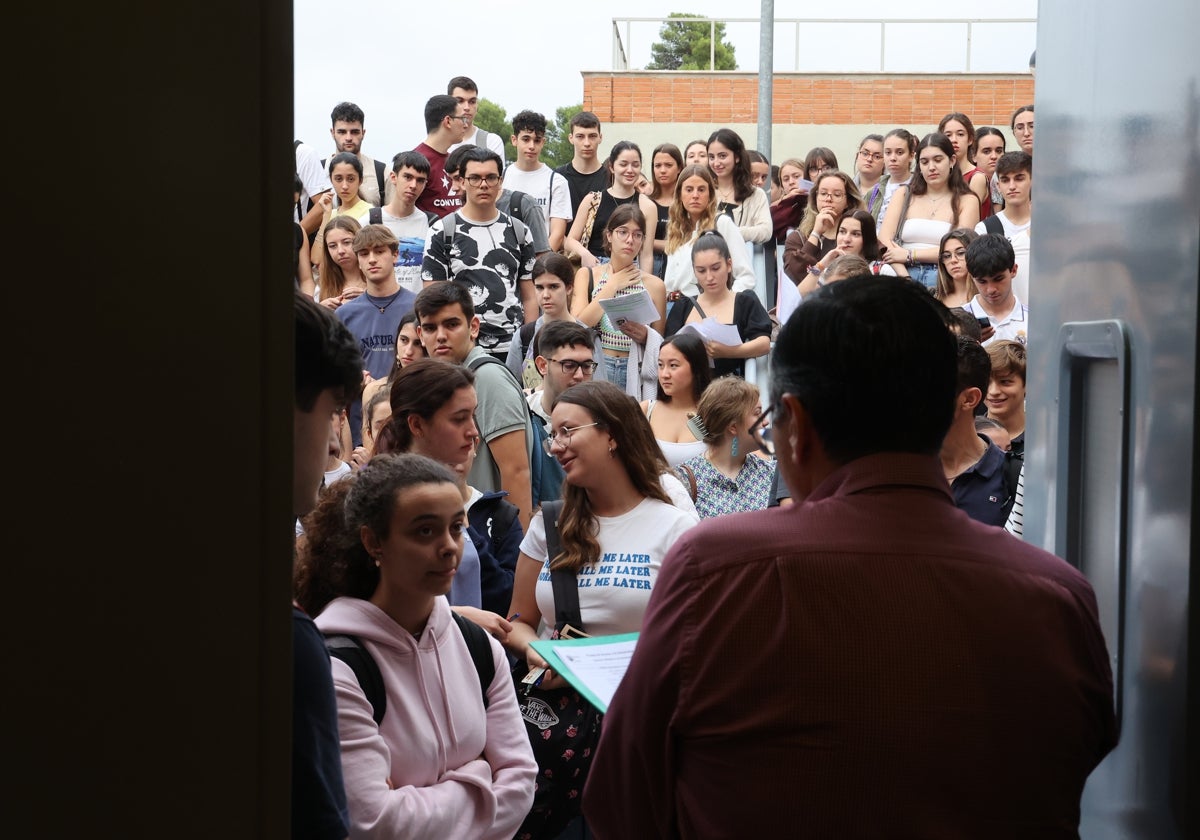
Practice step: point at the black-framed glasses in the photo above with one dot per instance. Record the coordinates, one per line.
(764, 438)
(569, 366)
(563, 436)
(476, 180)
(465, 119)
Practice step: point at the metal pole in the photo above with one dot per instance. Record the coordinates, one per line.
(766, 75)
(712, 45)
(766, 282)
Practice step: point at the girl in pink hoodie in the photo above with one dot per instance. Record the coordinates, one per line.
(382, 549)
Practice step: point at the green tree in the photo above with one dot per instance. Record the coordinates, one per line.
(685, 45)
(558, 149)
(492, 118)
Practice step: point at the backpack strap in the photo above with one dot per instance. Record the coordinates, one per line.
(375, 216)
(566, 588)
(481, 652)
(350, 650)
(449, 228)
(381, 178)
(992, 224)
(431, 216)
(527, 338)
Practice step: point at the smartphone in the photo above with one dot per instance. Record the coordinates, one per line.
(984, 322)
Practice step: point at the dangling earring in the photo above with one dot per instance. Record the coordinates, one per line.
(612, 452)
(377, 563)
(733, 450)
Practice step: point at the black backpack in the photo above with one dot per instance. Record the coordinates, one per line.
(350, 650)
(992, 224)
(1012, 474)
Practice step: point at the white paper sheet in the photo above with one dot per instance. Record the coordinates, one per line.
(636, 307)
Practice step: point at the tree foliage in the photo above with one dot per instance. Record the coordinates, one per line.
(685, 45)
(558, 149)
(492, 118)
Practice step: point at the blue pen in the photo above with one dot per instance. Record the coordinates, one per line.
(514, 616)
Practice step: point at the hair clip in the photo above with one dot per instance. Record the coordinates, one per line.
(696, 427)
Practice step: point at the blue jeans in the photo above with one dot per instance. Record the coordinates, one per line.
(925, 274)
(616, 369)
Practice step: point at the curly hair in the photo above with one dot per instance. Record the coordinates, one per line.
(332, 561)
(620, 415)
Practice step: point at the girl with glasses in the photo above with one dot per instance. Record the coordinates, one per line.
(832, 194)
(443, 756)
(615, 527)
(729, 476)
(855, 237)
(868, 171)
(629, 348)
(954, 286)
(624, 167)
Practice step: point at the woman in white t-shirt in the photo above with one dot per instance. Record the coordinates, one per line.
(616, 525)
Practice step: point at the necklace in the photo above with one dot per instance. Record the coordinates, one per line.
(375, 301)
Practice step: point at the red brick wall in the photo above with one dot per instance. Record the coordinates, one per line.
(861, 99)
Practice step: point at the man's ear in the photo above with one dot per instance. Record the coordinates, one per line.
(542, 364)
(968, 398)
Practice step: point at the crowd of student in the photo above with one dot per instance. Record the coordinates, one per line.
(478, 294)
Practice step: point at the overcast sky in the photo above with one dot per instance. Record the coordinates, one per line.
(386, 57)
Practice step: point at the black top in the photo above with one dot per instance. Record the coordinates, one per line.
(749, 316)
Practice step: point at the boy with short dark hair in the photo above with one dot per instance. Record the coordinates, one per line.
(992, 266)
(585, 173)
(529, 175)
(409, 175)
(466, 92)
(1014, 174)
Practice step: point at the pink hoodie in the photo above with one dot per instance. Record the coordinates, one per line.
(455, 770)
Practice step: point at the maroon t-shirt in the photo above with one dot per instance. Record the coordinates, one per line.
(438, 196)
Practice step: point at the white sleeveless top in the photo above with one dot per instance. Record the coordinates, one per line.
(923, 233)
(676, 453)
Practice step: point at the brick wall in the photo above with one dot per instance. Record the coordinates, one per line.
(852, 99)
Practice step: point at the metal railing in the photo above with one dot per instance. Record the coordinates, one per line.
(623, 44)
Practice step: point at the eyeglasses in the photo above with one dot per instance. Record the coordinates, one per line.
(626, 234)
(831, 195)
(563, 437)
(960, 254)
(569, 366)
(476, 180)
(465, 119)
(863, 153)
(763, 438)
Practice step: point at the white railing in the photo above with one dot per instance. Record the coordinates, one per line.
(956, 43)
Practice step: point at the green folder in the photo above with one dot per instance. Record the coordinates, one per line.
(593, 690)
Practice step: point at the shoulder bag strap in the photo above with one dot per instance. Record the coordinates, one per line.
(481, 652)
(566, 588)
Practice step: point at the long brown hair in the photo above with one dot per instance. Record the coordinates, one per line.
(680, 228)
(672, 151)
(620, 415)
(333, 281)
